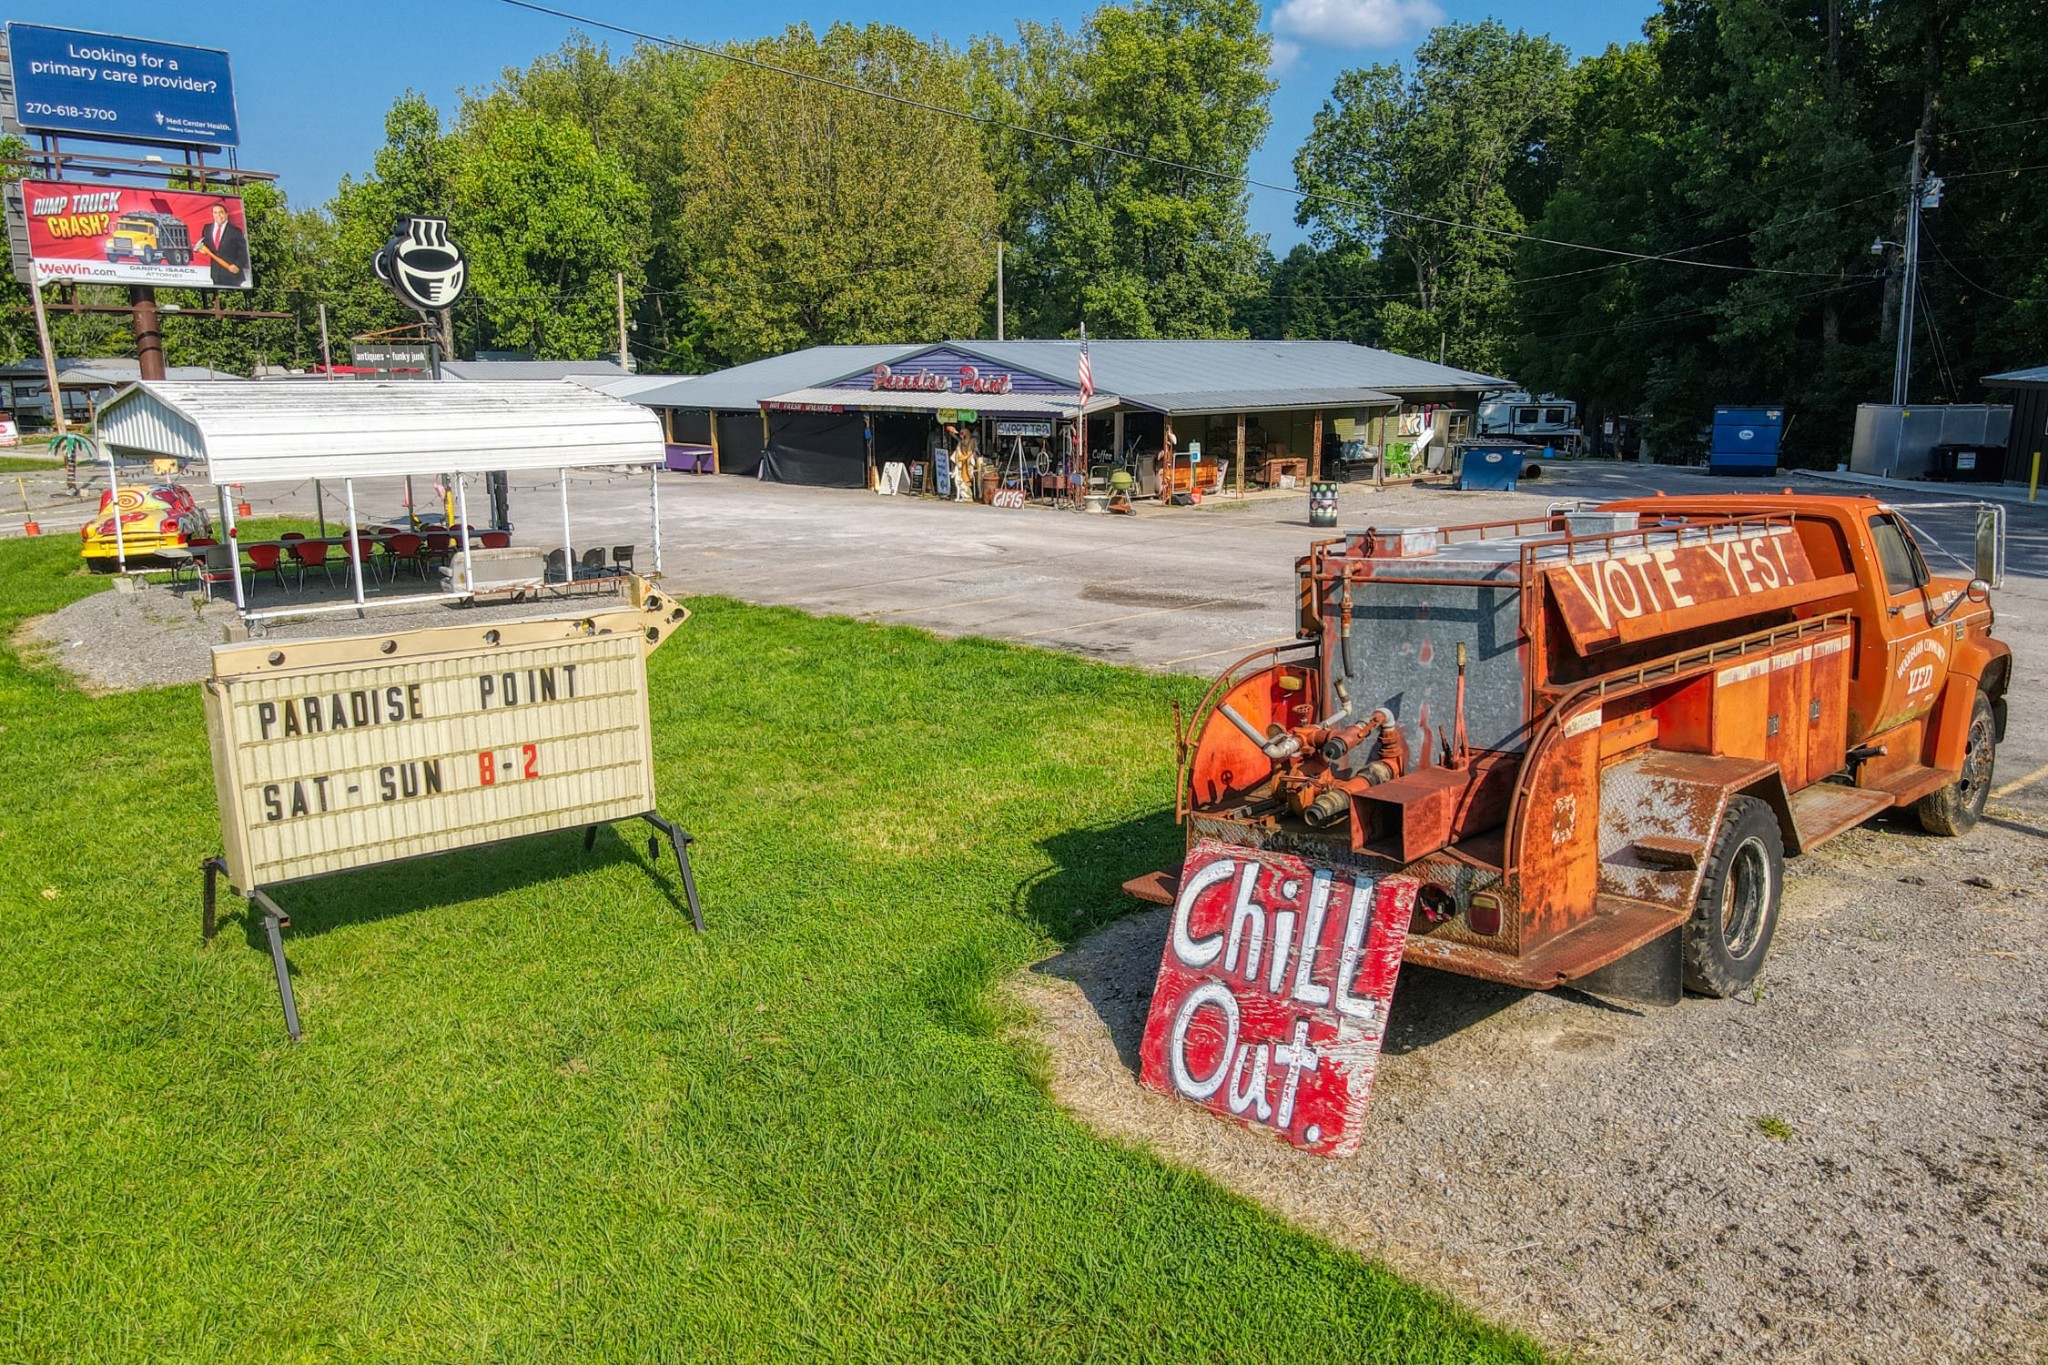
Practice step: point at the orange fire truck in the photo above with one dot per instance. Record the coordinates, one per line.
(1590, 739)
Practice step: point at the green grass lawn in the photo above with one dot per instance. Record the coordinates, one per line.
(536, 1118)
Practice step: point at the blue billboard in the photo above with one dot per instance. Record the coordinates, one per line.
(128, 89)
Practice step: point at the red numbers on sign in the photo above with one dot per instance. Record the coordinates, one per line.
(488, 771)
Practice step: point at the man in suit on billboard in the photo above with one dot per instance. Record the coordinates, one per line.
(227, 250)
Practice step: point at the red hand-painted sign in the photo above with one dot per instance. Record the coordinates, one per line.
(1273, 992)
(1614, 593)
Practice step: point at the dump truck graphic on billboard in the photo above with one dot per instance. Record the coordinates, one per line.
(150, 238)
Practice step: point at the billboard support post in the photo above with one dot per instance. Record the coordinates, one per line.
(35, 292)
(149, 336)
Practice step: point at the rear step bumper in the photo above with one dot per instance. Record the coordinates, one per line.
(1617, 927)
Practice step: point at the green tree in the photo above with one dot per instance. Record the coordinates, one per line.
(1396, 157)
(547, 222)
(1132, 247)
(821, 215)
(1313, 295)
(411, 175)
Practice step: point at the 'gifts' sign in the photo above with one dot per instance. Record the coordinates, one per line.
(1273, 992)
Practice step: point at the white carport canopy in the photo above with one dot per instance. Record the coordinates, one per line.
(261, 431)
(244, 432)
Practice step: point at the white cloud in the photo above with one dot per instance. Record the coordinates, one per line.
(1285, 55)
(1356, 23)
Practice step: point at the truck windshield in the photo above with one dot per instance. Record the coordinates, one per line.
(1904, 570)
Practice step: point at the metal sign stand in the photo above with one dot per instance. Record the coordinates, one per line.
(276, 920)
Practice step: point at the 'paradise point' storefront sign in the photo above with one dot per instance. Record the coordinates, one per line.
(970, 380)
(1273, 992)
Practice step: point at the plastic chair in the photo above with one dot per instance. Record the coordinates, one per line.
(293, 535)
(268, 559)
(557, 569)
(405, 547)
(440, 548)
(497, 540)
(361, 547)
(592, 563)
(309, 554)
(622, 557)
(215, 565)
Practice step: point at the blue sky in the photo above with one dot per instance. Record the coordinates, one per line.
(313, 81)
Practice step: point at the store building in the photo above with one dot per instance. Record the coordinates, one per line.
(1174, 413)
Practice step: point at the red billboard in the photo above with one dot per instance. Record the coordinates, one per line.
(1273, 992)
(118, 234)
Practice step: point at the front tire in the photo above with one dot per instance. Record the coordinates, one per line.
(1956, 808)
(1737, 911)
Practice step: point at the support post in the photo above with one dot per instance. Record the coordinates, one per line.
(233, 534)
(326, 356)
(2034, 479)
(355, 546)
(274, 920)
(680, 843)
(1902, 364)
(114, 504)
(35, 292)
(654, 512)
(1243, 455)
(1315, 449)
(320, 507)
(999, 290)
(149, 337)
(712, 417)
(1116, 435)
(568, 546)
(462, 513)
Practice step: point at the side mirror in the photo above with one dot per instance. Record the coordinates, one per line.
(1979, 590)
(1976, 590)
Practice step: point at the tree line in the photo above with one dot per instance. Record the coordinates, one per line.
(1696, 217)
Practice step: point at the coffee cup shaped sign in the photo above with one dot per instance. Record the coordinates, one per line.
(1273, 992)
(423, 265)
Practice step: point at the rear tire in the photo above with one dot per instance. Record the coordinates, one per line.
(1737, 912)
(1956, 808)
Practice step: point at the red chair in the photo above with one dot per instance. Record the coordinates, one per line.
(293, 535)
(440, 548)
(311, 554)
(268, 559)
(405, 546)
(363, 550)
(497, 540)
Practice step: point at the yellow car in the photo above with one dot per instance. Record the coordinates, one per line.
(152, 520)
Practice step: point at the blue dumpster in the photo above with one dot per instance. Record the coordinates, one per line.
(1490, 464)
(1745, 441)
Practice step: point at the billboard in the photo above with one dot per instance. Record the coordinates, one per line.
(118, 234)
(127, 89)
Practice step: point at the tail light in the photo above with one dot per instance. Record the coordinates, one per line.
(168, 527)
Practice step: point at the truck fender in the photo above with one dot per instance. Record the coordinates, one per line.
(1949, 731)
(1770, 789)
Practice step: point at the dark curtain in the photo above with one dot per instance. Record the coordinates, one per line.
(826, 449)
(739, 443)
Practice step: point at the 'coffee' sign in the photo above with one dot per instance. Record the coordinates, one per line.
(1273, 992)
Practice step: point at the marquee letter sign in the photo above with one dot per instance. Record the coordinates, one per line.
(1273, 992)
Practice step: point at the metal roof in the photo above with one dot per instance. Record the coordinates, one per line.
(626, 386)
(1265, 400)
(107, 371)
(2018, 378)
(1166, 374)
(990, 405)
(502, 371)
(250, 432)
(741, 388)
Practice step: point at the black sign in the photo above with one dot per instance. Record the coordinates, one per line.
(422, 264)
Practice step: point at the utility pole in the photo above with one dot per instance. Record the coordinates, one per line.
(326, 356)
(625, 356)
(999, 290)
(1902, 367)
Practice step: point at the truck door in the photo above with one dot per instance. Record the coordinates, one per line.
(1917, 654)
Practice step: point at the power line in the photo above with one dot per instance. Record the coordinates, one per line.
(1084, 144)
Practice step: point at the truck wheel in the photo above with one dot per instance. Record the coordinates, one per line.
(1956, 808)
(1737, 911)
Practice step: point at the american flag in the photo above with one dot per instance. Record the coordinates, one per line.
(1087, 370)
